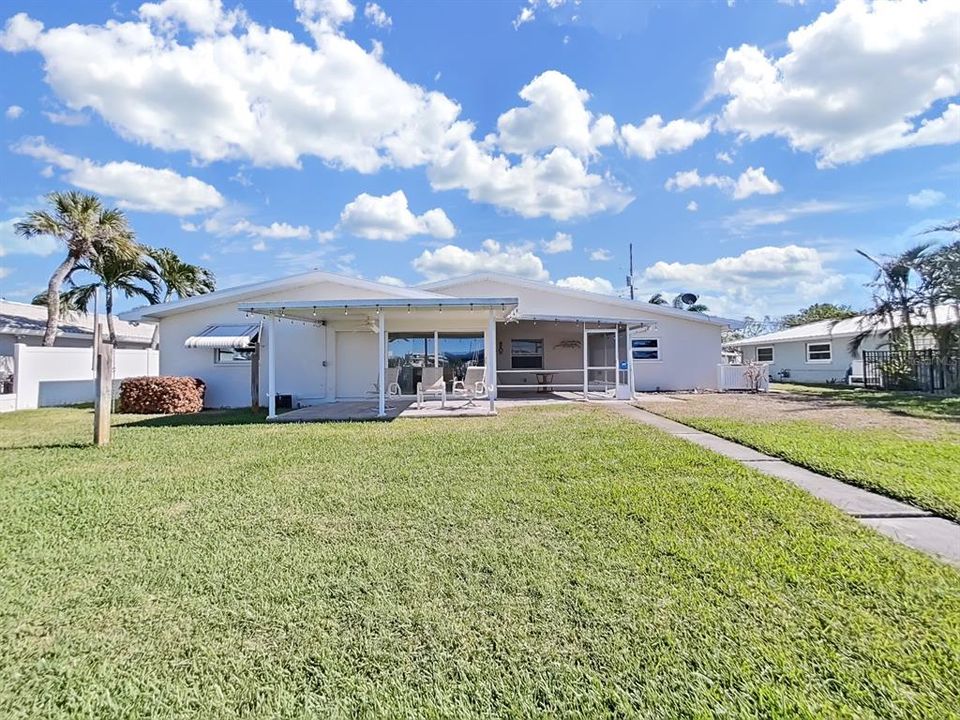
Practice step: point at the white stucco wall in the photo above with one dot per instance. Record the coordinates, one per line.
(792, 357)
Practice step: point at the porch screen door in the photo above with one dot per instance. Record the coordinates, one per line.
(601, 356)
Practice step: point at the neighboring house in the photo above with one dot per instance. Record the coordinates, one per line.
(820, 352)
(318, 336)
(23, 323)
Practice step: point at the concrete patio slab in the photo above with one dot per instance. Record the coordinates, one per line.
(904, 523)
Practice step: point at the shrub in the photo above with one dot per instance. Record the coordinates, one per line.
(161, 395)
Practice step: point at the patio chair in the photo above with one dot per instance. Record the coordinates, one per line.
(472, 387)
(432, 384)
(392, 376)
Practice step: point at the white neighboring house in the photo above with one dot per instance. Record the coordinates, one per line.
(326, 337)
(819, 352)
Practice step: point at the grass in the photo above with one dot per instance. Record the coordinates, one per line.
(551, 561)
(912, 404)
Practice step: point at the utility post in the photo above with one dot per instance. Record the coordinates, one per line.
(104, 392)
(630, 276)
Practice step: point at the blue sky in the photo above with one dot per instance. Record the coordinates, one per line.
(746, 149)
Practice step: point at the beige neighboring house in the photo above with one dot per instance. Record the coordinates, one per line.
(25, 323)
(327, 338)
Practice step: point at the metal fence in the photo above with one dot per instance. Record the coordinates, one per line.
(922, 370)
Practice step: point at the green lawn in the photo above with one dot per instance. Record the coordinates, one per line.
(912, 404)
(555, 561)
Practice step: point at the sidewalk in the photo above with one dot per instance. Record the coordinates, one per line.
(904, 523)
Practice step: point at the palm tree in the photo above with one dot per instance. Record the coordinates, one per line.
(894, 295)
(657, 299)
(114, 273)
(87, 229)
(179, 278)
(681, 302)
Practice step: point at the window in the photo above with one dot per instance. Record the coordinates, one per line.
(819, 352)
(645, 349)
(526, 354)
(232, 357)
(765, 354)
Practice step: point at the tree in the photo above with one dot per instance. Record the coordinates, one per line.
(657, 299)
(87, 229)
(179, 278)
(113, 272)
(818, 311)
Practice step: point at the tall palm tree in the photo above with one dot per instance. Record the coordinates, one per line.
(657, 299)
(894, 294)
(87, 229)
(114, 273)
(179, 279)
(680, 303)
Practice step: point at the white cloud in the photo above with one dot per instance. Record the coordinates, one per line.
(856, 82)
(227, 224)
(388, 217)
(4, 272)
(656, 138)
(13, 244)
(556, 116)
(13, 112)
(20, 33)
(601, 255)
(526, 15)
(926, 198)
(692, 206)
(725, 158)
(594, 285)
(135, 187)
(752, 181)
(452, 260)
(391, 280)
(752, 218)
(764, 280)
(70, 119)
(560, 243)
(376, 15)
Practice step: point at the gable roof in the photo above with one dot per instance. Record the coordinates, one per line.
(25, 319)
(829, 329)
(513, 280)
(242, 292)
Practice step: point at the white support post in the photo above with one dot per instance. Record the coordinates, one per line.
(382, 358)
(616, 362)
(629, 354)
(272, 367)
(436, 348)
(586, 378)
(491, 360)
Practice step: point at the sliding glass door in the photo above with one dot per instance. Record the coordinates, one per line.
(413, 351)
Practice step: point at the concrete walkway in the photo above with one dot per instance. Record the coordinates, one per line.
(904, 523)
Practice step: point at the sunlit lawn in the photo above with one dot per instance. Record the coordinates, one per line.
(554, 561)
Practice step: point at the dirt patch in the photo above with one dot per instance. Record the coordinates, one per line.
(785, 406)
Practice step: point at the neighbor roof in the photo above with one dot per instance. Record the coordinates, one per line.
(442, 285)
(24, 319)
(828, 329)
(252, 290)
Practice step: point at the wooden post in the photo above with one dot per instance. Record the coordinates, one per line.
(104, 391)
(255, 378)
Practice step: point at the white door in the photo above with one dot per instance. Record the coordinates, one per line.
(356, 364)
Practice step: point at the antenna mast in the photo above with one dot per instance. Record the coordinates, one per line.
(630, 276)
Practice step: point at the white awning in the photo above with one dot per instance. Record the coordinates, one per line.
(224, 337)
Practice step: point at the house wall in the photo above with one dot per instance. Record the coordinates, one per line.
(8, 341)
(792, 357)
(689, 349)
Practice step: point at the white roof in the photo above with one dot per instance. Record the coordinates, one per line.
(505, 279)
(829, 329)
(25, 319)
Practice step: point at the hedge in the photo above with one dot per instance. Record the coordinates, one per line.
(161, 395)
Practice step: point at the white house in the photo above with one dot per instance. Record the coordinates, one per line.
(820, 352)
(324, 337)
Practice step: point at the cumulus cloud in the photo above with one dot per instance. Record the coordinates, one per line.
(556, 116)
(376, 15)
(594, 285)
(692, 206)
(134, 186)
(13, 112)
(926, 198)
(388, 217)
(759, 281)
(725, 158)
(559, 243)
(752, 181)
(452, 260)
(860, 80)
(391, 280)
(601, 255)
(228, 224)
(654, 138)
(70, 119)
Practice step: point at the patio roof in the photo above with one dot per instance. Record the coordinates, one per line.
(321, 309)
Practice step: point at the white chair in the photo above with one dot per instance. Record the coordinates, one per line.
(472, 387)
(392, 375)
(432, 384)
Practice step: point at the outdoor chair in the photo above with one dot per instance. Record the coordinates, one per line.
(472, 387)
(432, 384)
(392, 376)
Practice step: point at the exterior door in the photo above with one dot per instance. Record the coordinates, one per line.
(602, 362)
(356, 365)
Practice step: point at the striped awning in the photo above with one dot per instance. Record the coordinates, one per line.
(224, 337)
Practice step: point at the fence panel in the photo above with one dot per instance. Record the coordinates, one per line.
(734, 377)
(924, 370)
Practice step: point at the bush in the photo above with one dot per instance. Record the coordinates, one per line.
(161, 395)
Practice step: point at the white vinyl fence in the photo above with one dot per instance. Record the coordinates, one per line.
(735, 377)
(50, 376)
